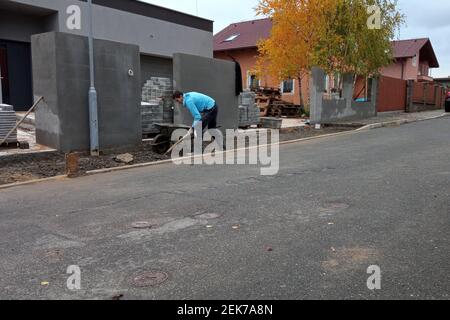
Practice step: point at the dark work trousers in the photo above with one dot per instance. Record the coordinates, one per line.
(209, 118)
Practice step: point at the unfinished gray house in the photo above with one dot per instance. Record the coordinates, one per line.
(43, 51)
(159, 33)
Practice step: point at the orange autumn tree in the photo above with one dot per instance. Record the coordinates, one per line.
(335, 35)
(297, 29)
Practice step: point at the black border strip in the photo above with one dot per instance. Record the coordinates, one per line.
(157, 12)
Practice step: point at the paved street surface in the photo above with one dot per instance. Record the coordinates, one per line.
(337, 206)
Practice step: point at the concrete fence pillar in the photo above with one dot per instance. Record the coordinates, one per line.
(409, 95)
(316, 88)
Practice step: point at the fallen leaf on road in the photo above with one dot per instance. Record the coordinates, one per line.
(236, 227)
(45, 283)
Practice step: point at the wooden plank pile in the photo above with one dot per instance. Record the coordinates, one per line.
(271, 104)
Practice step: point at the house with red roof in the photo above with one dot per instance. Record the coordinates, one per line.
(239, 42)
(413, 59)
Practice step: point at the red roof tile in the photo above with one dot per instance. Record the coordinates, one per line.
(250, 32)
(407, 48)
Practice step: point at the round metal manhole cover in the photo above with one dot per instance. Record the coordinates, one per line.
(142, 225)
(150, 278)
(208, 216)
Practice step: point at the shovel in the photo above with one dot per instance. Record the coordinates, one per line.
(178, 142)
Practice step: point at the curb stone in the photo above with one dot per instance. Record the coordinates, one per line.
(398, 122)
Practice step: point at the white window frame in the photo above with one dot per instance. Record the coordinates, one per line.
(293, 87)
(249, 79)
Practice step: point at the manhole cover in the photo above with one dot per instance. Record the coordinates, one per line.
(208, 216)
(142, 225)
(150, 278)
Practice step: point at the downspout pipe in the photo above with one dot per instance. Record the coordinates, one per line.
(93, 107)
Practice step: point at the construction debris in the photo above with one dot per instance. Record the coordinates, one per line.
(124, 158)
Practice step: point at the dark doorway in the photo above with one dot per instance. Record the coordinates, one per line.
(18, 90)
(4, 75)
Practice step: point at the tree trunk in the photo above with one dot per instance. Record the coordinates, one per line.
(300, 91)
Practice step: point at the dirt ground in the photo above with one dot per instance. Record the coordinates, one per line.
(25, 167)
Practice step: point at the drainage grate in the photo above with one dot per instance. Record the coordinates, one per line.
(149, 279)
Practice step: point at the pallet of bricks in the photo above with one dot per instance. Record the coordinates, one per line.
(157, 104)
(248, 110)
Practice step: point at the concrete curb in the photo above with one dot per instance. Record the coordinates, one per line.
(20, 184)
(399, 122)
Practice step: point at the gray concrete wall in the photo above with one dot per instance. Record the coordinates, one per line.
(153, 36)
(213, 77)
(61, 75)
(155, 67)
(332, 110)
(24, 25)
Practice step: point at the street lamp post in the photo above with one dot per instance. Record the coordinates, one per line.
(93, 113)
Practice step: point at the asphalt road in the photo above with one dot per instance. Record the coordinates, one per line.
(337, 206)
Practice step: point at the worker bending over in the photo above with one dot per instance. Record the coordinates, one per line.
(204, 109)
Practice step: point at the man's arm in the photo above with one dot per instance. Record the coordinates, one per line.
(194, 111)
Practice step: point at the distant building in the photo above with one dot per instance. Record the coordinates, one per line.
(444, 81)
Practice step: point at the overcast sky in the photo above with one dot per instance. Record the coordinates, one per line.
(425, 19)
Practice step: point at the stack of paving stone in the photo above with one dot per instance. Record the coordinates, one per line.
(157, 104)
(7, 123)
(248, 110)
(152, 112)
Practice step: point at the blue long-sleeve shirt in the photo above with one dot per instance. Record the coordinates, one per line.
(197, 103)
